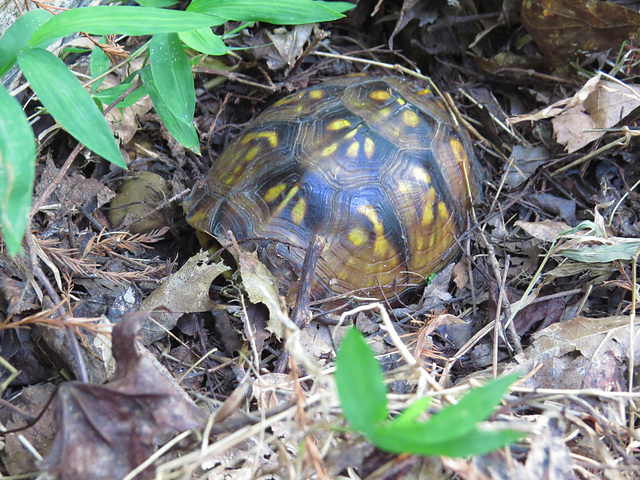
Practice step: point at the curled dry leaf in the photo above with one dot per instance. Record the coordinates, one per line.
(186, 291)
(577, 121)
(105, 431)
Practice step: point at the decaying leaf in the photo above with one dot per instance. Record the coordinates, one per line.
(185, 291)
(568, 30)
(105, 431)
(546, 230)
(262, 288)
(577, 121)
(574, 353)
(523, 162)
(282, 47)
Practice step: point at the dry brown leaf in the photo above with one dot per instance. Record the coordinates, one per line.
(572, 354)
(546, 230)
(105, 431)
(568, 30)
(600, 104)
(185, 291)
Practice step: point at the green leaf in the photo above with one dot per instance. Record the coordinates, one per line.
(360, 383)
(476, 406)
(17, 36)
(279, 12)
(184, 133)
(451, 432)
(110, 95)
(123, 20)
(204, 40)
(98, 64)
(172, 75)
(64, 97)
(157, 3)
(17, 170)
(415, 439)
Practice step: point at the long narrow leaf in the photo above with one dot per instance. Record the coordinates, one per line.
(64, 97)
(124, 20)
(172, 75)
(414, 439)
(17, 170)
(360, 383)
(17, 36)
(184, 133)
(204, 40)
(99, 63)
(279, 12)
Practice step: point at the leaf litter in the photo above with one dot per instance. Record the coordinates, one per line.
(526, 294)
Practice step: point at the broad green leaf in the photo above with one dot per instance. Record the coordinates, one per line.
(184, 133)
(476, 406)
(172, 75)
(17, 170)
(415, 439)
(204, 40)
(360, 383)
(110, 95)
(603, 253)
(98, 64)
(123, 20)
(16, 37)
(279, 12)
(411, 413)
(64, 97)
(157, 3)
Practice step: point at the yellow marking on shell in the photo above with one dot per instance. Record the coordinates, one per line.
(274, 192)
(329, 150)
(316, 94)
(401, 101)
(338, 124)
(251, 154)
(285, 201)
(404, 187)
(427, 212)
(421, 175)
(247, 138)
(427, 215)
(385, 112)
(380, 95)
(358, 236)
(271, 136)
(424, 91)
(410, 119)
(369, 147)
(351, 134)
(380, 245)
(353, 149)
(299, 210)
(443, 212)
(286, 100)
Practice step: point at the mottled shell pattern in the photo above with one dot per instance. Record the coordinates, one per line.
(374, 164)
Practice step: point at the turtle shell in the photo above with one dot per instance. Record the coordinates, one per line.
(376, 165)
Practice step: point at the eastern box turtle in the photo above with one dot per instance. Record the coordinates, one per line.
(374, 164)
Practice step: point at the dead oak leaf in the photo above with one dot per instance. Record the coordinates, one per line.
(105, 431)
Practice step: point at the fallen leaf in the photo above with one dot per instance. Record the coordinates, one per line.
(105, 431)
(574, 352)
(568, 30)
(185, 291)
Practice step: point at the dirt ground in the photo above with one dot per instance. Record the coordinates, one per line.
(544, 285)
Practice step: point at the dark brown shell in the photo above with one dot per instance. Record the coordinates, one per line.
(375, 164)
